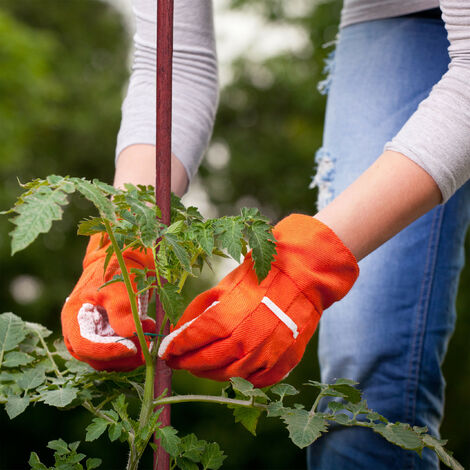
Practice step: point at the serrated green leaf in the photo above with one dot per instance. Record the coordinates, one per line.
(16, 405)
(111, 414)
(283, 389)
(304, 428)
(230, 230)
(445, 456)
(35, 216)
(248, 417)
(169, 440)
(335, 405)
(146, 432)
(345, 382)
(186, 464)
(331, 392)
(9, 376)
(93, 463)
(120, 405)
(246, 388)
(62, 350)
(54, 180)
(400, 434)
(77, 367)
(91, 226)
(176, 227)
(95, 195)
(32, 378)
(263, 247)
(74, 445)
(349, 392)
(357, 408)
(95, 429)
(341, 418)
(35, 463)
(12, 332)
(37, 329)
(109, 254)
(105, 187)
(213, 457)
(316, 384)
(182, 255)
(15, 359)
(66, 462)
(59, 445)
(172, 301)
(141, 278)
(116, 278)
(374, 416)
(205, 237)
(115, 431)
(60, 397)
(193, 213)
(191, 448)
(276, 409)
(250, 213)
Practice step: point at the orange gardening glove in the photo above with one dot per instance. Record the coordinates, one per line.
(260, 331)
(97, 325)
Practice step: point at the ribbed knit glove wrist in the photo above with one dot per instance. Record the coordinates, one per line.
(97, 325)
(260, 331)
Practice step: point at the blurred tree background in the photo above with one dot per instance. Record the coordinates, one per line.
(64, 67)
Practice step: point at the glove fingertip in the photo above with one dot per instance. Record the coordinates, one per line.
(169, 341)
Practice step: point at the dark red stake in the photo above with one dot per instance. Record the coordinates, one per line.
(163, 182)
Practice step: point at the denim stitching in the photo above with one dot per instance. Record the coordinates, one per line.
(422, 313)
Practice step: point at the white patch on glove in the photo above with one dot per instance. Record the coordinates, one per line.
(282, 316)
(94, 326)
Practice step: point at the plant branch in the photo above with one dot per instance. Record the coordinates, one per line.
(49, 355)
(209, 399)
(130, 293)
(315, 403)
(88, 406)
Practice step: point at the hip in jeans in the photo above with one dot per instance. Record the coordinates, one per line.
(390, 333)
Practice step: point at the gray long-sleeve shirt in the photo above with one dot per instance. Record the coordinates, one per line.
(436, 137)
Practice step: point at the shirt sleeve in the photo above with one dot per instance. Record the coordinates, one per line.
(195, 81)
(437, 136)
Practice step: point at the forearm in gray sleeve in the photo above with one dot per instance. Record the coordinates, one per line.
(195, 83)
(437, 136)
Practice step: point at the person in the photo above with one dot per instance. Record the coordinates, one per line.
(393, 197)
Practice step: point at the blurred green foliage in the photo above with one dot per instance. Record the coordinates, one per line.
(64, 65)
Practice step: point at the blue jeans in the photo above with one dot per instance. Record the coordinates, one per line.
(390, 333)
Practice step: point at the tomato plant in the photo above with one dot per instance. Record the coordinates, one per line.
(33, 370)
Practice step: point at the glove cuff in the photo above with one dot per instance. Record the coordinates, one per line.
(314, 257)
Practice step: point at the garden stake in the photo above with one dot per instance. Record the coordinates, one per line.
(163, 185)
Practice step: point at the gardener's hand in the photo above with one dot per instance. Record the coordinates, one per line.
(260, 331)
(97, 324)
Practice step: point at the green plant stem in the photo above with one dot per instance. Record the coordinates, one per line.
(209, 399)
(88, 406)
(157, 274)
(315, 403)
(130, 293)
(49, 355)
(147, 402)
(145, 289)
(160, 337)
(185, 274)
